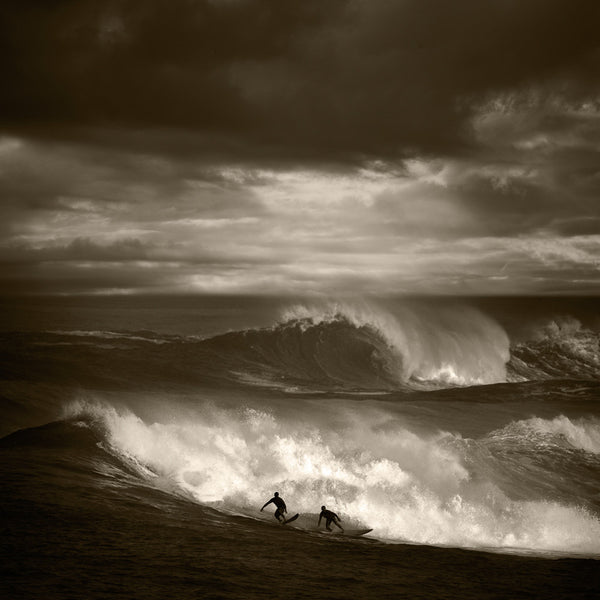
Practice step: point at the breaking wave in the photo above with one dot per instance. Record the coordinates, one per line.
(357, 347)
(558, 348)
(365, 346)
(529, 486)
(417, 346)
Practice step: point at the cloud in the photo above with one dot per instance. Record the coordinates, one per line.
(133, 222)
(308, 80)
(246, 145)
(52, 190)
(79, 250)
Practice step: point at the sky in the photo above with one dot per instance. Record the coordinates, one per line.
(319, 147)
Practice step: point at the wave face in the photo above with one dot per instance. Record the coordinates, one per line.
(530, 485)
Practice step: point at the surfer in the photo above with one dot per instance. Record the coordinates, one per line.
(281, 507)
(330, 517)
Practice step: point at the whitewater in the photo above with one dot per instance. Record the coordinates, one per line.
(444, 425)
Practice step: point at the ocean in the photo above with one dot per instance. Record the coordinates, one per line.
(140, 437)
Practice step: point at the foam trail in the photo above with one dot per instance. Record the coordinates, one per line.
(366, 463)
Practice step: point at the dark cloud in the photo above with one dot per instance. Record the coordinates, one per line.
(159, 64)
(576, 225)
(66, 278)
(551, 194)
(86, 266)
(79, 181)
(202, 145)
(79, 249)
(285, 78)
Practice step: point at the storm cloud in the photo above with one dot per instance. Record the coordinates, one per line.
(349, 145)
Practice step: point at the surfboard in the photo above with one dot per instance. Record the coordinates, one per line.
(352, 532)
(290, 519)
(356, 531)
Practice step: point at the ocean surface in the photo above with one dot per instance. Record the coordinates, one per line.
(141, 435)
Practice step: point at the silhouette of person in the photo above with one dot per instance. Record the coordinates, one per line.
(280, 504)
(330, 517)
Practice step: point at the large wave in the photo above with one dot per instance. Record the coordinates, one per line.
(415, 345)
(528, 486)
(363, 345)
(320, 347)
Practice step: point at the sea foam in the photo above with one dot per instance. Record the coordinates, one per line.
(365, 462)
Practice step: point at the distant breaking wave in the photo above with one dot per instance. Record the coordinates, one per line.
(418, 346)
(344, 346)
(364, 346)
(559, 348)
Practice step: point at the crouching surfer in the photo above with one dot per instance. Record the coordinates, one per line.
(330, 517)
(281, 507)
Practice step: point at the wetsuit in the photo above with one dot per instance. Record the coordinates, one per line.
(330, 517)
(281, 507)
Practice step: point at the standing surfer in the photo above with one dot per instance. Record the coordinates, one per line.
(281, 507)
(330, 517)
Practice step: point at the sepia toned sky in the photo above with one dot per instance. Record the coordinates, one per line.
(314, 146)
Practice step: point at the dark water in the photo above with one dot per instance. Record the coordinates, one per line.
(141, 436)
